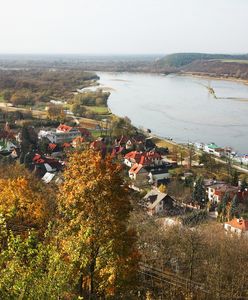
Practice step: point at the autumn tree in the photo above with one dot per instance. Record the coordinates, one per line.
(56, 112)
(25, 202)
(94, 205)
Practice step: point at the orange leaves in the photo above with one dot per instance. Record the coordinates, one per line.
(94, 204)
(25, 203)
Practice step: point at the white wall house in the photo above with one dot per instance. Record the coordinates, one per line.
(214, 149)
(237, 226)
(59, 137)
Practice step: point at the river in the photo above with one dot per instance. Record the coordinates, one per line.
(181, 107)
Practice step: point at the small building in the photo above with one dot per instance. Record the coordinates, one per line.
(62, 134)
(237, 226)
(138, 173)
(157, 203)
(216, 192)
(214, 149)
(158, 174)
(143, 158)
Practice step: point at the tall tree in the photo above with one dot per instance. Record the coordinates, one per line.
(233, 207)
(199, 193)
(94, 205)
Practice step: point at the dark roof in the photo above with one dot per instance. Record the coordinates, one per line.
(157, 169)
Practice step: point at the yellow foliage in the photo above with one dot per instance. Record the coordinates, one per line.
(95, 206)
(25, 202)
(162, 188)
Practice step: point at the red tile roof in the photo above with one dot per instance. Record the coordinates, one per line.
(66, 145)
(133, 155)
(135, 168)
(239, 224)
(64, 128)
(144, 158)
(52, 146)
(36, 157)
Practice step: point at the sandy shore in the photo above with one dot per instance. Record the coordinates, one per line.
(201, 76)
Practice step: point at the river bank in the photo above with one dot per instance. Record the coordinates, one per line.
(209, 77)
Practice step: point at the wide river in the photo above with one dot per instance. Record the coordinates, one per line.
(181, 107)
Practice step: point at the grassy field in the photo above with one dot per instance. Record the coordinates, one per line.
(102, 110)
(239, 61)
(1, 98)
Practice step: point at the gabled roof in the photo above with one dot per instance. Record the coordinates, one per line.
(143, 158)
(157, 171)
(52, 146)
(64, 128)
(133, 155)
(36, 157)
(213, 146)
(48, 177)
(136, 168)
(78, 140)
(154, 197)
(66, 145)
(239, 224)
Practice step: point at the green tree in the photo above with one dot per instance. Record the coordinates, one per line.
(234, 177)
(30, 269)
(244, 184)
(223, 208)
(199, 193)
(78, 110)
(234, 207)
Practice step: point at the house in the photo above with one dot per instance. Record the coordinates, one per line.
(139, 174)
(132, 158)
(63, 134)
(78, 142)
(199, 146)
(214, 149)
(43, 165)
(48, 177)
(243, 159)
(158, 174)
(64, 128)
(157, 203)
(216, 191)
(237, 226)
(143, 158)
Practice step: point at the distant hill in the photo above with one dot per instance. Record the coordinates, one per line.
(178, 60)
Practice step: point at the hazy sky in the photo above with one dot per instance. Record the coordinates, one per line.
(123, 26)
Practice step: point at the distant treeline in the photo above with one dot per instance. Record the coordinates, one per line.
(216, 65)
(182, 59)
(29, 86)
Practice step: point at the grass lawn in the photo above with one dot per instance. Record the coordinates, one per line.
(1, 98)
(102, 110)
(95, 133)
